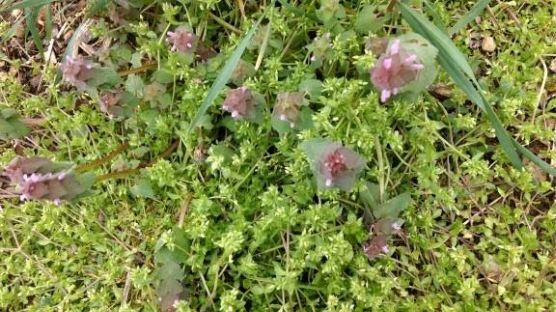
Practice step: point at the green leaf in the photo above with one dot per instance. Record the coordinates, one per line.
(370, 196)
(27, 4)
(392, 208)
(455, 64)
(86, 180)
(10, 125)
(135, 85)
(225, 74)
(104, 76)
(142, 189)
(469, 17)
(97, 6)
(536, 160)
(30, 20)
(313, 148)
(435, 16)
(367, 20)
(312, 87)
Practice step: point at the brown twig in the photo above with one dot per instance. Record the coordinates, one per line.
(184, 210)
(127, 172)
(138, 69)
(33, 122)
(391, 5)
(103, 160)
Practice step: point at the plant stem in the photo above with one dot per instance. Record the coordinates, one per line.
(103, 160)
(224, 23)
(138, 69)
(124, 173)
(33, 122)
(380, 169)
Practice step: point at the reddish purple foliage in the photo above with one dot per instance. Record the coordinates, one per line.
(338, 166)
(76, 71)
(288, 107)
(182, 40)
(36, 179)
(394, 69)
(110, 104)
(240, 103)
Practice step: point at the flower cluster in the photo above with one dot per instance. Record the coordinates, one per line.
(110, 104)
(288, 107)
(182, 40)
(240, 103)
(38, 178)
(334, 164)
(320, 47)
(394, 69)
(339, 166)
(76, 71)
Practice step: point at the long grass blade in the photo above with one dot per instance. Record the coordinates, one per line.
(536, 160)
(27, 4)
(31, 19)
(469, 17)
(224, 75)
(435, 16)
(456, 65)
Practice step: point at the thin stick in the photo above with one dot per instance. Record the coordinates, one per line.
(224, 23)
(138, 69)
(184, 210)
(127, 172)
(541, 91)
(103, 160)
(127, 288)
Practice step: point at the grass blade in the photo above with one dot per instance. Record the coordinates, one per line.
(31, 19)
(27, 4)
(435, 16)
(469, 17)
(455, 64)
(534, 159)
(224, 75)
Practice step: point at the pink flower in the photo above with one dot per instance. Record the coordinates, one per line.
(288, 107)
(339, 166)
(394, 69)
(76, 71)
(38, 178)
(240, 103)
(110, 104)
(182, 40)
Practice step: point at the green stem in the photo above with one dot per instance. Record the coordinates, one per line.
(380, 169)
(224, 23)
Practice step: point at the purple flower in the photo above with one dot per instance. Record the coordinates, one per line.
(320, 47)
(288, 107)
(394, 69)
(376, 246)
(110, 104)
(240, 103)
(20, 167)
(40, 179)
(339, 166)
(182, 40)
(76, 71)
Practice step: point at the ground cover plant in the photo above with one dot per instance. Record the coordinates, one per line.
(281, 155)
